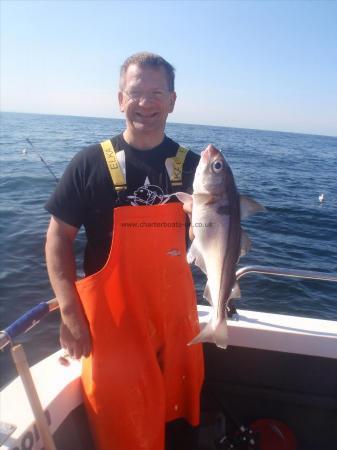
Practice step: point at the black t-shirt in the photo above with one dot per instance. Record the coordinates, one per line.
(86, 196)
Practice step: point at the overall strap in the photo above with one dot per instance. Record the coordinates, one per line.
(114, 167)
(177, 163)
(173, 165)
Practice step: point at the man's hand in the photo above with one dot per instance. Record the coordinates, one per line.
(74, 333)
(187, 201)
(187, 207)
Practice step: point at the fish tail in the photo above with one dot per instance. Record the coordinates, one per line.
(217, 335)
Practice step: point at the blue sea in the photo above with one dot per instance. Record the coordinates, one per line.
(286, 172)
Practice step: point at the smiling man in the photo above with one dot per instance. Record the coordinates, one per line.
(134, 313)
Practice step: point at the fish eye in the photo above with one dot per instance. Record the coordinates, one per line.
(217, 166)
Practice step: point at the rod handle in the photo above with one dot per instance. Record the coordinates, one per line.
(22, 367)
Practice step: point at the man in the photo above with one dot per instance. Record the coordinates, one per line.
(134, 313)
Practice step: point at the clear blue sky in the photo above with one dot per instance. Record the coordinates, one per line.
(253, 64)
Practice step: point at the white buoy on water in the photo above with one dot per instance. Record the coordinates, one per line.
(24, 151)
(321, 198)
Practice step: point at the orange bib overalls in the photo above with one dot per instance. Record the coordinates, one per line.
(141, 309)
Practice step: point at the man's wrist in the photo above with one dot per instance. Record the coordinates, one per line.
(69, 305)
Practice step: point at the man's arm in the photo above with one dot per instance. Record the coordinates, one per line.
(74, 331)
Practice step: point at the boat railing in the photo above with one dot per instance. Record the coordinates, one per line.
(282, 272)
(34, 315)
(279, 272)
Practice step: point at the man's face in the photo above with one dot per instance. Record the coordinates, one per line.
(145, 99)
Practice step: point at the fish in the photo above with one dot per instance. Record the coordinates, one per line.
(219, 240)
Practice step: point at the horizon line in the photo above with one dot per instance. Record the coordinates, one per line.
(173, 123)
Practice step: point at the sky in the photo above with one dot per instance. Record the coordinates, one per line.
(268, 65)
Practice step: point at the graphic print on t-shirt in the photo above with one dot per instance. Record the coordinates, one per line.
(148, 194)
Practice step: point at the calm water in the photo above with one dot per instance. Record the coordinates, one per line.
(286, 172)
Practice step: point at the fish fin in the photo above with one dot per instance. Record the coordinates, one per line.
(249, 206)
(235, 292)
(194, 256)
(246, 243)
(199, 262)
(207, 294)
(191, 254)
(217, 335)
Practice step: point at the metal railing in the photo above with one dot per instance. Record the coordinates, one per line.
(281, 272)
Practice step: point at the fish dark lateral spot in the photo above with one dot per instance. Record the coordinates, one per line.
(223, 210)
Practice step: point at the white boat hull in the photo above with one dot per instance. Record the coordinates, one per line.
(59, 386)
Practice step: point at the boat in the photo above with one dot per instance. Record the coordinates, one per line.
(274, 387)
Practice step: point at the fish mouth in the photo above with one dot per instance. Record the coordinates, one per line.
(209, 153)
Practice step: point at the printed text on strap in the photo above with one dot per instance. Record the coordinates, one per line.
(113, 165)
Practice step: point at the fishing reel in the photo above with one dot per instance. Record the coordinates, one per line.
(262, 434)
(243, 439)
(221, 431)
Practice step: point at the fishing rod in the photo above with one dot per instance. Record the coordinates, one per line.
(27, 321)
(42, 160)
(21, 325)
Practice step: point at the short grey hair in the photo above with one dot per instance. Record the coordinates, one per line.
(146, 59)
